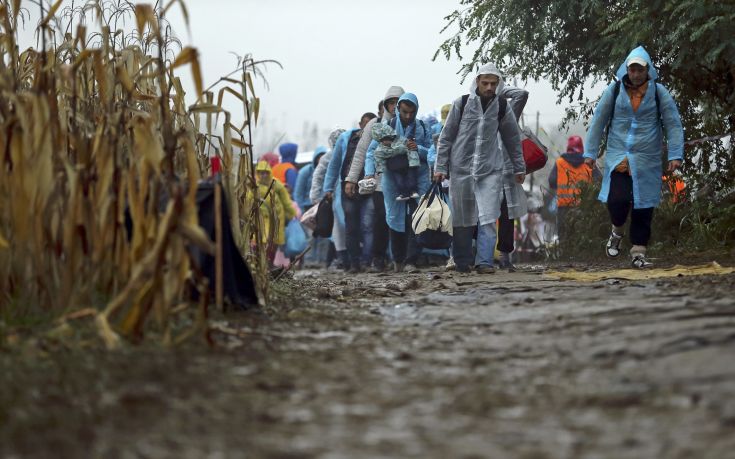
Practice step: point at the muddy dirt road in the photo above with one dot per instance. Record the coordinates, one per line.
(421, 365)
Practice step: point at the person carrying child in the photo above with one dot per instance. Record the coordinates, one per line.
(392, 153)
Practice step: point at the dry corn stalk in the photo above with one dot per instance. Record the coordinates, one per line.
(100, 158)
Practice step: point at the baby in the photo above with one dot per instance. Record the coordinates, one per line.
(392, 154)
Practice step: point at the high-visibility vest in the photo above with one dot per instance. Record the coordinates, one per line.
(279, 171)
(676, 187)
(568, 179)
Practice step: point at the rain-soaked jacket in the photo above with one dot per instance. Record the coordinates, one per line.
(277, 204)
(469, 152)
(286, 171)
(515, 195)
(397, 148)
(636, 136)
(395, 211)
(303, 182)
(358, 162)
(332, 181)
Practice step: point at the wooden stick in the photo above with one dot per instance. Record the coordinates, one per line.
(218, 278)
(295, 262)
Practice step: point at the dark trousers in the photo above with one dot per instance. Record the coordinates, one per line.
(462, 246)
(619, 204)
(381, 232)
(407, 181)
(354, 231)
(403, 245)
(505, 229)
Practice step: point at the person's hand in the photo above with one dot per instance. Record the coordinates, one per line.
(438, 177)
(673, 165)
(350, 189)
(328, 196)
(589, 162)
(520, 178)
(411, 144)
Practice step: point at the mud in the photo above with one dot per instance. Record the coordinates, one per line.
(411, 365)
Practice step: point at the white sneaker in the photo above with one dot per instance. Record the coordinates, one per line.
(415, 195)
(612, 248)
(451, 266)
(639, 261)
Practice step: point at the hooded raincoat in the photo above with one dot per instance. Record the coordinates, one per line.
(303, 182)
(358, 162)
(469, 151)
(395, 211)
(515, 195)
(332, 181)
(636, 136)
(286, 170)
(276, 204)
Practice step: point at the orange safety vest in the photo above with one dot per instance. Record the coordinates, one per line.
(279, 171)
(568, 179)
(676, 187)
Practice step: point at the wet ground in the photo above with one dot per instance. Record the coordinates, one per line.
(421, 365)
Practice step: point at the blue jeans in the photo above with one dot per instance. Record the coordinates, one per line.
(487, 236)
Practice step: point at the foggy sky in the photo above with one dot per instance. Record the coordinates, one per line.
(338, 58)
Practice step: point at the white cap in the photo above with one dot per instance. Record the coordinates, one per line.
(636, 60)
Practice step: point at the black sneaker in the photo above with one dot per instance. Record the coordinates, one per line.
(639, 261)
(612, 248)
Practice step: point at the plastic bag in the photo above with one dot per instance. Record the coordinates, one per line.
(432, 220)
(309, 217)
(296, 241)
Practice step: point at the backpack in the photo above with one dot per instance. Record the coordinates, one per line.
(501, 109)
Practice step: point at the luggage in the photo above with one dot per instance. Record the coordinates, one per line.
(324, 219)
(432, 220)
(535, 154)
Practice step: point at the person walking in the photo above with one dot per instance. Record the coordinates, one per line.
(356, 210)
(567, 176)
(381, 232)
(469, 153)
(514, 204)
(417, 138)
(334, 247)
(286, 171)
(636, 111)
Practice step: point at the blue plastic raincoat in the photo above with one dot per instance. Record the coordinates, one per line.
(332, 181)
(303, 182)
(637, 136)
(395, 211)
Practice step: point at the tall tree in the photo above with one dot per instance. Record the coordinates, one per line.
(574, 43)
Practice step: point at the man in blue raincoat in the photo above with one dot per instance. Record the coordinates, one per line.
(404, 250)
(636, 111)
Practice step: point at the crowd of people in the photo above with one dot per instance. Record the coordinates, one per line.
(374, 174)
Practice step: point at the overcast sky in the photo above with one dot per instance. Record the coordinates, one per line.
(338, 58)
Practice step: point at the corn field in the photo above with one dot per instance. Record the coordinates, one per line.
(96, 130)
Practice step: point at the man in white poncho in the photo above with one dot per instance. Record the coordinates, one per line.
(470, 154)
